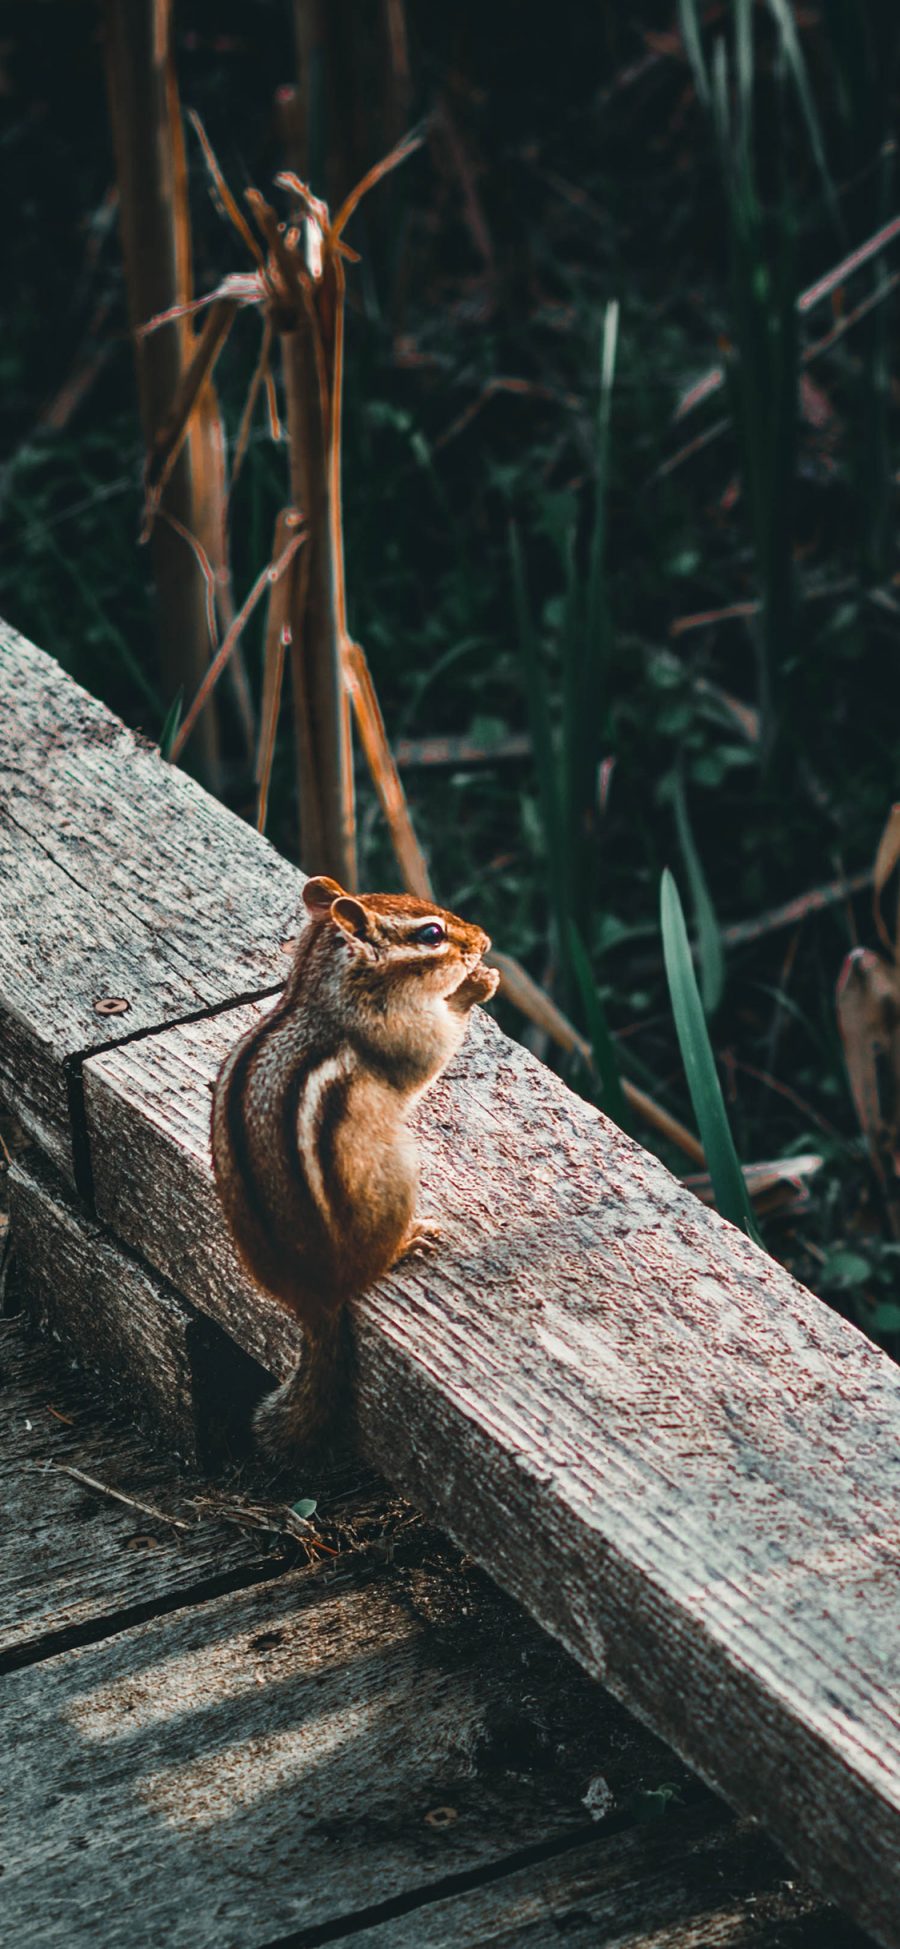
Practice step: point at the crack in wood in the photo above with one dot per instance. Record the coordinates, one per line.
(419, 1900)
(73, 1070)
(110, 1624)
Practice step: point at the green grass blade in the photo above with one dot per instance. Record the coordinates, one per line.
(599, 629)
(598, 1030)
(608, 347)
(783, 16)
(720, 107)
(578, 732)
(700, 1069)
(743, 67)
(689, 23)
(542, 739)
(709, 940)
(170, 728)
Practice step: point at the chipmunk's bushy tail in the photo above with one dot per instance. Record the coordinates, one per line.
(297, 1416)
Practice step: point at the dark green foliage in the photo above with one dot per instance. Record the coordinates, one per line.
(600, 187)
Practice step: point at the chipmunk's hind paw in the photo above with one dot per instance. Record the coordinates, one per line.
(424, 1237)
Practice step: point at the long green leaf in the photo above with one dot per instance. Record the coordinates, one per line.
(689, 22)
(170, 728)
(542, 739)
(709, 940)
(598, 631)
(700, 1069)
(793, 54)
(577, 743)
(598, 1030)
(743, 67)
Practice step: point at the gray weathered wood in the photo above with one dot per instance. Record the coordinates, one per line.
(157, 1089)
(158, 1355)
(70, 1557)
(119, 879)
(269, 1761)
(682, 1463)
(686, 1882)
(692, 1879)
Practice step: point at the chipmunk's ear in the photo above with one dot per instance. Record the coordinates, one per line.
(319, 893)
(352, 916)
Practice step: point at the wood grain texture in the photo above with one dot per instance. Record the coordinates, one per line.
(525, 1766)
(688, 1881)
(157, 1355)
(71, 1558)
(684, 1465)
(276, 1760)
(119, 878)
(147, 1107)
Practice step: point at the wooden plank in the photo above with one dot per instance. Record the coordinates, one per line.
(282, 1759)
(71, 1558)
(689, 1881)
(86, 1562)
(120, 879)
(168, 1363)
(684, 1465)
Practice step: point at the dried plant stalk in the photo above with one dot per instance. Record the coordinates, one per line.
(278, 636)
(179, 422)
(298, 284)
(303, 301)
(385, 776)
(321, 705)
(156, 248)
(269, 575)
(868, 1011)
(886, 860)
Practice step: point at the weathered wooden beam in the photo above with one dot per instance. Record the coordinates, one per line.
(684, 1465)
(167, 1364)
(121, 882)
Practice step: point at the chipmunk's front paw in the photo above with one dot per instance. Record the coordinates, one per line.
(478, 986)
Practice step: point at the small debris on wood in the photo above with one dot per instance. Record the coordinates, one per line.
(114, 1495)
(275, 1519)
(598, 1797)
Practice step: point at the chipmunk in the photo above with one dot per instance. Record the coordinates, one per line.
(316, 1167)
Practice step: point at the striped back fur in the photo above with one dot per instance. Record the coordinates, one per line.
(316, 1168)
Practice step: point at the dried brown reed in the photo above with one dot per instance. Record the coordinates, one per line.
(298, 284)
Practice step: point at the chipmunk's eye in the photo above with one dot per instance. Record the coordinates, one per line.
(431, 935)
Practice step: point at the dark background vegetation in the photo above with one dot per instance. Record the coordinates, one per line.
(574, 157)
